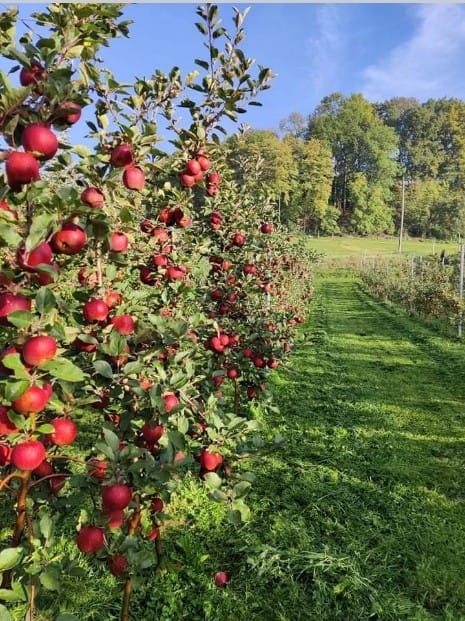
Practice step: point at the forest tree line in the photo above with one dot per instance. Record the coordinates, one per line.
(344, 168)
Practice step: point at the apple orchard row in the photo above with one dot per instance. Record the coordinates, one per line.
(157, 330)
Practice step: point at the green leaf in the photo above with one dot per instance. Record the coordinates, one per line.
(111, 439)
(16, 594)
(21, 319)
(4, 614)
(235, 517)
(40, 227)
(45, 300)
(202, 63)
(46, 526)
(132, 367)
(46, 428)
(63, 369)
(212, 480)
(244, 510)
(201, 28)
(219, 496)
(13, 390)
(240, 489)
(50, 579)
(9, 234)
(103, 368)
(13, 362)
(67, 617)
(10, 557)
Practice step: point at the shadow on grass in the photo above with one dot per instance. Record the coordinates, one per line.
(360, 516)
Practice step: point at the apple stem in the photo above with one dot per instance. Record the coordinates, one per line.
(20, 519)
(126, 598)
(134, 524)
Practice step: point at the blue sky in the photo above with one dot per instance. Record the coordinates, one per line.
(379, 50)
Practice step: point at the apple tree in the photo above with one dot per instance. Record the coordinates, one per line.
(135, 281)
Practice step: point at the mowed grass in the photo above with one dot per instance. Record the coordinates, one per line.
(359, 516)
(356, 248)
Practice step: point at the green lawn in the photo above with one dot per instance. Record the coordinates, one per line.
(354, 248)
(360, 516)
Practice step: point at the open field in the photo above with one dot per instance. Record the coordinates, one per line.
(359, 515)
(340, 249)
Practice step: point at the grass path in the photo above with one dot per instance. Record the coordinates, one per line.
(360, 516)
(372, 482)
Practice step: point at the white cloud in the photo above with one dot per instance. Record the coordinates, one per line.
(428, 65)
(325, 50)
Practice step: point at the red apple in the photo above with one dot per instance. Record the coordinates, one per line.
(175, 273)
(160, 260)
(152, 434)
(238, 239)
(5, 454)
(56, 483)
(213, 179)
(167, 215)
(112, 299)
(97, 468)
(6, 426)
(5, 207)
(28, 455)
(65, 432)
(33, 400)
(70, 240)
(9, 303)
(28, 261)
(124, 324)
(122, 155)
(188, 181)
(44, 469)
(215, 220)
(249, 268)
(95, 310)
(147, 276)
(31, 75)
(192, 168)
(116, 496)
(161, 235)
(153, 534)
(117, 564)
(115, 518)
(133, 178)
(38, 350)
(266, 228)
(204, 162)
(210, 461)
(70, 112)
(171, 401)
(156, 505)
(39, 139)
(93, 197)
(118, 242)
(221, 578)
(147, 226)
(90, 539)
(21, 168)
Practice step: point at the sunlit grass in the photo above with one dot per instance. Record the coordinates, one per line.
(358, 247)
(358, 517)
